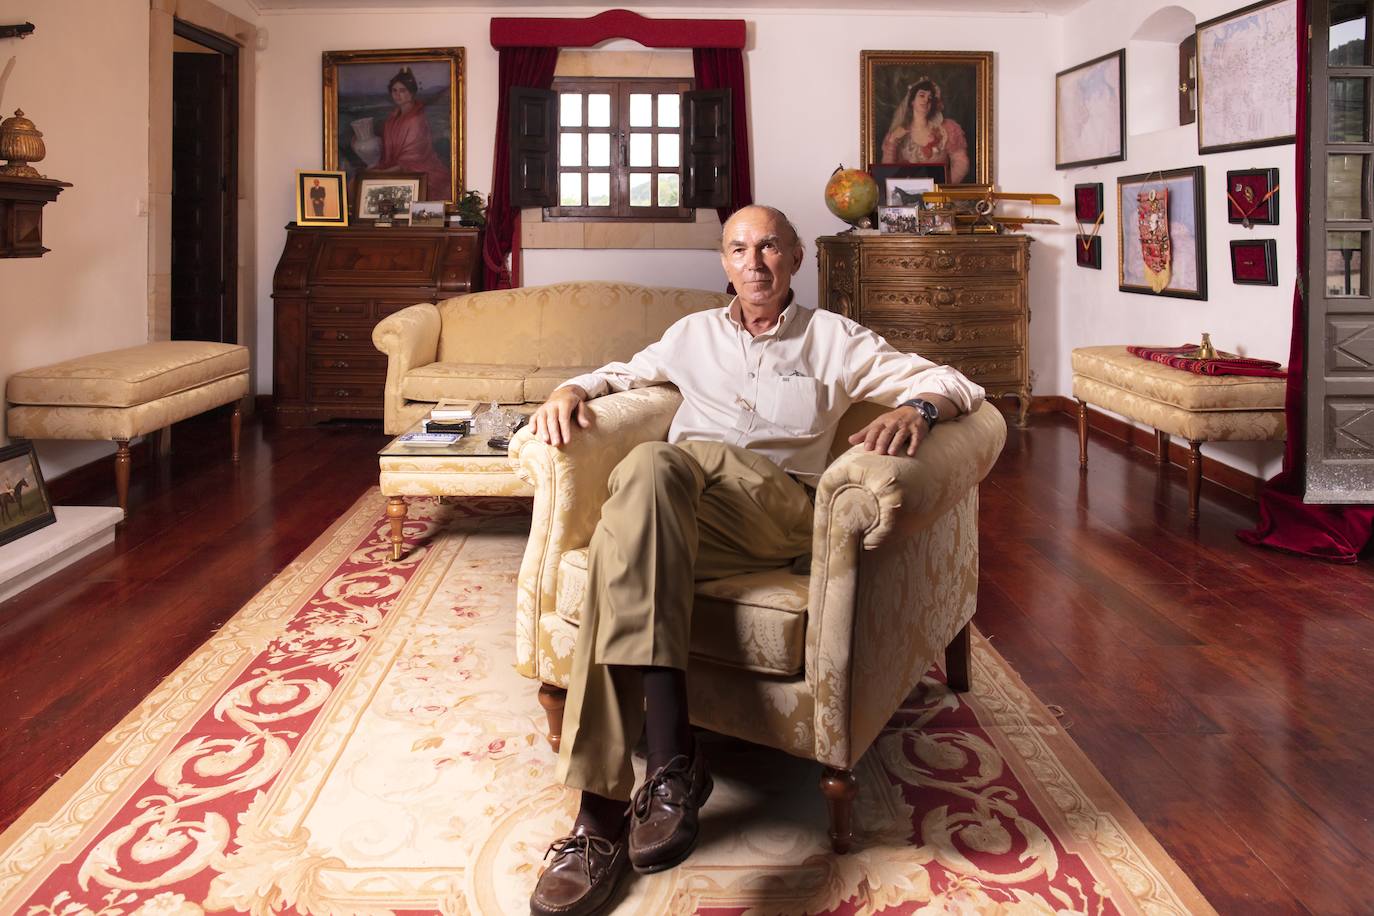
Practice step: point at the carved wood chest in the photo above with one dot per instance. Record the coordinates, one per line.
(959, 300)
(330, 287)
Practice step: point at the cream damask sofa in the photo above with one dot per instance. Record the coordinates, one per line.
(813, 664)
(514, 346)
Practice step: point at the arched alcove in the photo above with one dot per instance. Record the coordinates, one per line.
(1152, 70)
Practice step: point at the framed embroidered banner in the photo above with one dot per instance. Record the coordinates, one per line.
(1090, 112)
(1161, 233)
(928, 107)
(1247, 77)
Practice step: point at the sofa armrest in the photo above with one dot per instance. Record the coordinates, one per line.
(894, 566)
(570, 485)
(409, 338)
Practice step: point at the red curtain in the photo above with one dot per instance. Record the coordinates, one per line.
(1337, 533)
(533, 69)
(723, 68)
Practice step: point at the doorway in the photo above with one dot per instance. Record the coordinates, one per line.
(204, 185)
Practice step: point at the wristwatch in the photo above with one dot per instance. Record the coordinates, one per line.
(927, 409)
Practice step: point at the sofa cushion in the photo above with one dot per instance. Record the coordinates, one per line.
(1118, 367)
(128, 377)
(540, 383)
(755, 621)
(504, 384)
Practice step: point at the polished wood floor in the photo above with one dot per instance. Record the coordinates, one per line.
(1224, 691)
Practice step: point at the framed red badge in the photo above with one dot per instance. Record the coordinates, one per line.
(1252, 197)
(1254, 262)
(1088, 249)
(1087, 202)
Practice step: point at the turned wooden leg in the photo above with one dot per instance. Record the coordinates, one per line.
(164, 441)
(122, 473)
(839, 788)
(957, 660)
(553, 699)
(1194, 478)
(1161, 447)
(1082, 433)
(396, 511)
(235, 431)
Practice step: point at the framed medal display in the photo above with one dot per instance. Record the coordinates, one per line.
(1253, 262)
(1161, 233)
(1252, 197)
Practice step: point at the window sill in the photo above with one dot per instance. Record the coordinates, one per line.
(535, 233)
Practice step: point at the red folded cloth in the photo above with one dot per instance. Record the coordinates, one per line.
(1224, 364)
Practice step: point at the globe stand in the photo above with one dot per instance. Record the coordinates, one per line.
(861, 223)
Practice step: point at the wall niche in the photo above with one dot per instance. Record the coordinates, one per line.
(1152, 77)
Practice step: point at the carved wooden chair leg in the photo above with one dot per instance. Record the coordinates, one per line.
(396, 512)
(553, 699)
(957, 656)
(1082, 433)
(1194, 478)
(1161, 447)
(839, 788)
(122, 461)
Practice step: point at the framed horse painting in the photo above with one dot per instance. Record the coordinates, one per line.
(24, 502)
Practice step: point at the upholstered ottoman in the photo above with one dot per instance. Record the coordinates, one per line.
(120, 394)
(1200, 408)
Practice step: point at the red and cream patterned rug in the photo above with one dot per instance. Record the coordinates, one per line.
(356, 740)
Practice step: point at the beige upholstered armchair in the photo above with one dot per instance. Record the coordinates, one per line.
(814, 664)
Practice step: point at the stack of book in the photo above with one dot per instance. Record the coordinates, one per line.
(450, 416)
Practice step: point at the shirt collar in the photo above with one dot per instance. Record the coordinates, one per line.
(733, 312)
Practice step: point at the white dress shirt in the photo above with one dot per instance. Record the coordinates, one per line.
(779, 394)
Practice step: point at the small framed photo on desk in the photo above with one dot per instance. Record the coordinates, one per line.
(320, 199)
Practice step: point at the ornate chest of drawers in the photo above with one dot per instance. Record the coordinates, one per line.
(960, 300)
(330, 287)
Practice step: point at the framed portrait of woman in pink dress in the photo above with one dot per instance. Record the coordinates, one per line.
(928, 107)
(396, 111)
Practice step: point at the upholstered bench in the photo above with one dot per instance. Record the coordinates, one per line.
(1200, 408)
(121, 394)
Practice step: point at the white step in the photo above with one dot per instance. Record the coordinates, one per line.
(79, 530)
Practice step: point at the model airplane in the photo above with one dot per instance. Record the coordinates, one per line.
(985, 199)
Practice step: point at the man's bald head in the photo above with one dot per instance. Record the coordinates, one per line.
(787, 233)
(760, 251)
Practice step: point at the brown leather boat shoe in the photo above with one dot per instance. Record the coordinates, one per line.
(663, 813)
(582, 876)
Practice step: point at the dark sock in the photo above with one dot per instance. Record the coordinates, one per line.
(602, 816)
(667, 730)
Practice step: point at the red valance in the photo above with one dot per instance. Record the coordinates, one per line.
(542, 32)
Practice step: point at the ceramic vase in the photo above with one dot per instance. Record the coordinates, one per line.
(366, 143)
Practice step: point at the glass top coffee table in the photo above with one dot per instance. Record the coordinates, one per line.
(468, 467)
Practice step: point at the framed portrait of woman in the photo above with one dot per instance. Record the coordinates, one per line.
(396, 111)
(928, 107)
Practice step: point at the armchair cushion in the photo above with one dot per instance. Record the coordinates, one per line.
(504, 384)
(755, 621)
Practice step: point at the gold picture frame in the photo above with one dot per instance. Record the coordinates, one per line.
(425, 116)
(321, 199)
(963, 99)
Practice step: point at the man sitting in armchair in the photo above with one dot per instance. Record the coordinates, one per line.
(764, 383)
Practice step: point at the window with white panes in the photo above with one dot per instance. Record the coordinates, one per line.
(620, 150)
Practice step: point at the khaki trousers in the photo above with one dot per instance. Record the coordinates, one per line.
(676, 514)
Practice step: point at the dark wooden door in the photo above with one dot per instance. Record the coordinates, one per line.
(203, 242)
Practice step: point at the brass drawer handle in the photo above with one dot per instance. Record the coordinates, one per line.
(944, 295)
(945, 333)
(341, 392)
(339, 364)
(341, 335)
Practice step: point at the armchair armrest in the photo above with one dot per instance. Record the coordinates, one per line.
(570, 485)
(893, 573)
(409, 338)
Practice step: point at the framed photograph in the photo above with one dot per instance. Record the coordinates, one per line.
(382, 196)
(941, 222)
(1168, 209)
(1252, 196)
(1090, 112)
(1088, 251)
(24, 503)
(1247, 77)
(892, 220)
(320, 199)
(1254, 262)
(427, 213)
(928, 107)
(1087, 202)
(909, 176)
(396, 111)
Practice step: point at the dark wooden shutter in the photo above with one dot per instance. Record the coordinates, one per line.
(533, 147)
(1187, 80)
(708, 148)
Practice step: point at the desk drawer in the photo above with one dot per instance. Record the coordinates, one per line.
(991, 370)
(984, 259)
(880, 303)
(339, 308)
(341, 336)
(925, 335)
(346, 392)
(331, 365)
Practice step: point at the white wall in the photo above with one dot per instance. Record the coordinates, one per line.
(1250, 320)
(803, 73)
(82, 77)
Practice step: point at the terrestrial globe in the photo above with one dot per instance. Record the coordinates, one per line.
(851, 194)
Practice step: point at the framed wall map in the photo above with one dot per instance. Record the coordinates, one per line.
(1090, 112)
(1247, 77)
